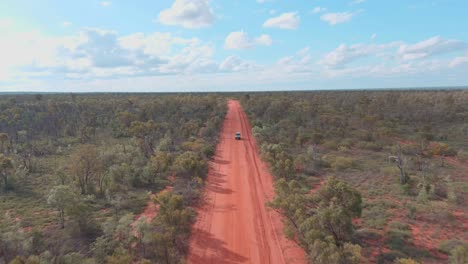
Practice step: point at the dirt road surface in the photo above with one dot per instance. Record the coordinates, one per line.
(234, 225)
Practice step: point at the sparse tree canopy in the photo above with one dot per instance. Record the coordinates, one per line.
(85, 168)
(6, 168)
(62, 199)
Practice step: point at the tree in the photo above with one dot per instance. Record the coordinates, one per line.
(3, 139)
(323, 222)
(85, 167)
(326, 252)
(145, 132)
(190, 164)
(400, 163)
(159, 164)
(62, 198)
(172, 225)
(15, 241)
(143, 233)
(6, 168)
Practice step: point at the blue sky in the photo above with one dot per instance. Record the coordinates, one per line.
(209, 45)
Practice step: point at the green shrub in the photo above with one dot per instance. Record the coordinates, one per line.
(462, 155)
(375, 216)
(331, 144)
(389, 257)
(347, 143)
(447, 245)
(410, 149)
(459, 255)
(343, 163)
(369, 146)
(412, 210)
(405, 261)
(390, 170)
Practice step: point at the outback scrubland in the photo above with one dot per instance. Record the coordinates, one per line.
(360, 176)
(83, 175)
(368, 176)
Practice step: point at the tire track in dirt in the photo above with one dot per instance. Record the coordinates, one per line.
(234, 225)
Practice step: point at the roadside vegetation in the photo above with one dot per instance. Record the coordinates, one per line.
(78, 171)
(377, 176)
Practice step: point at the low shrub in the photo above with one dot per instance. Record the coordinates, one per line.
(447, 245)
(459, 255)
(331, 144)
(369, 146)
(462, 155)
(342, 163)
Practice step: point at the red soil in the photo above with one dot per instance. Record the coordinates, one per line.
(151, 209)
(234, 225)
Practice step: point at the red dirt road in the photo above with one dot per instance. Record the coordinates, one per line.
(234, 225)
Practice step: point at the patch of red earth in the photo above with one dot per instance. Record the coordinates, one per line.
(357, 222)
(28, 229)
(461, 217)
(425, 239)
(151, 209)
(316, 186)
(406, 142)
(377, 246)
(456, 162)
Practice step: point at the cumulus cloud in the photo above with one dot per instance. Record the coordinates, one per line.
(240, 40)
(397, 53)
(264, 40)
(236, 64)
(337, 18)
(458, 61)
(298, 63)
(288, 20)
(97, 53)
(432, 46)
(188, 14)
(345, 54)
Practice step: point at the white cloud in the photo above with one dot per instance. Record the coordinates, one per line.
(264, 40)
(318, 9)
(97, 53)
(101, 59)
(345, 54)
(188, 14)
(459, 61)
(5, 23)
(236, 64)
(289, 20)
(432, 46)
(400, 55)
(156, 44)
(337, 18)
(66, 24)
(240, 40)
(105, 3)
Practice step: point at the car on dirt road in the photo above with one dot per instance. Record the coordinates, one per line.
(238, 135)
